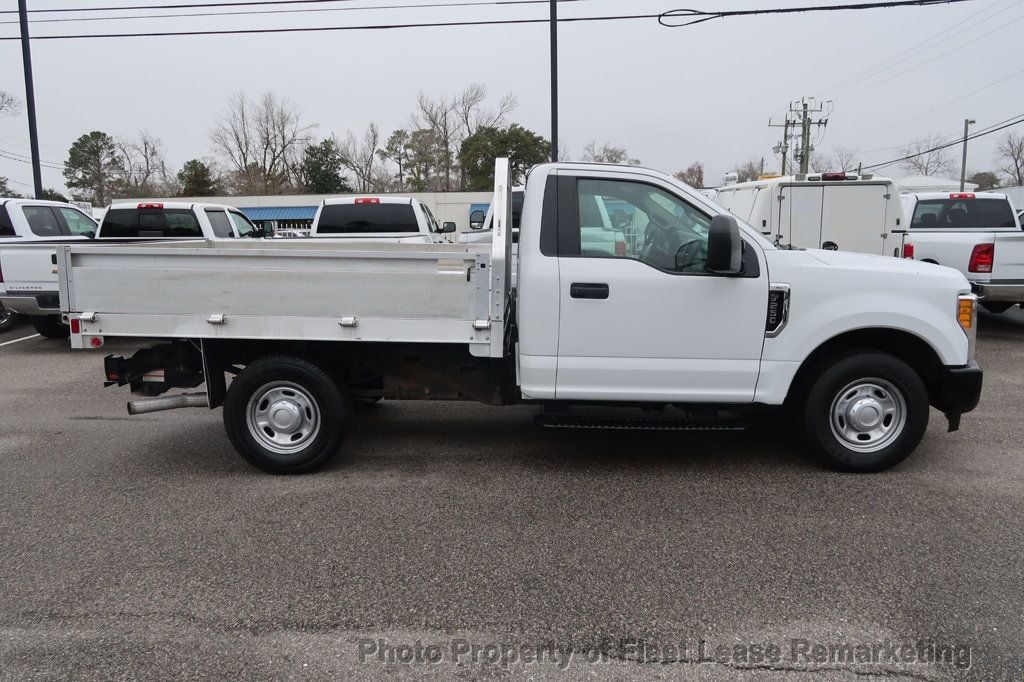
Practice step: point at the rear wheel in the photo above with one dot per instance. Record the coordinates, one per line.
(285, 415)
(866, 412)
(50, 327)
(8, 320)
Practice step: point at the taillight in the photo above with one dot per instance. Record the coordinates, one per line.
(368, 200)
(908, 250)
(620, 248)
(982, 258)
(76, 325)
(961, 195)
(152, 206)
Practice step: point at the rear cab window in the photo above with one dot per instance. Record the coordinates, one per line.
(220, 223)
(367, 218)
(6, 226)
(150, 223)
(958, 214)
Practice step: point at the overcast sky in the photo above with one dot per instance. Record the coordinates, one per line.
(670, 96)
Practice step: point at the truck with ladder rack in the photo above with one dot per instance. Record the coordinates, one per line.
(698, 321)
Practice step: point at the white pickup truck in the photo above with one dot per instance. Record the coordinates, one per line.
(979, 234)
(35, 227)
(698, 322)
(30, 286)
(396, 219)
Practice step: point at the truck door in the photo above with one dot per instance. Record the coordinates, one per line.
(853, 217)
(802, 209)
(647, 322)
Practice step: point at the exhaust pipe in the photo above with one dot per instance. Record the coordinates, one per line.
(167, 402)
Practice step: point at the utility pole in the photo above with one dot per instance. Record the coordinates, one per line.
(963, 166)
(554, 80)
(801, 113)
(30, 100)
(783, 146)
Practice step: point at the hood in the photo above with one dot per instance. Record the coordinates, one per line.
(863, 270)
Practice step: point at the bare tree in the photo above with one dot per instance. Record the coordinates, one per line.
(748, 171)
(360, 157)
(926, 159)
(608, 153)
(846, 158)
(1010, 153)
(469, 107)
(143, 169)
(9, 104)
(262, 140)
(693, 175)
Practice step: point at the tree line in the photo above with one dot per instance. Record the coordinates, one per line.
(266, 146)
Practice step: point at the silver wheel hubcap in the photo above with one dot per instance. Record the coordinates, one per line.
(868, 415)
(283, 417)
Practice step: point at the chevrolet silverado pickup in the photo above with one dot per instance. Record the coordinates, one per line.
(698, 322)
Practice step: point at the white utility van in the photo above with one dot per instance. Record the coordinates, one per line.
(838, 211)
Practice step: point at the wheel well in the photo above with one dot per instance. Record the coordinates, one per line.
(911, 349)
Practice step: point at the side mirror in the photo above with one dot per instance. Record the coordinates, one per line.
(725, 247)
(476, 220)
(448, 228)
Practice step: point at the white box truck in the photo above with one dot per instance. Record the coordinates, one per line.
(836, 211)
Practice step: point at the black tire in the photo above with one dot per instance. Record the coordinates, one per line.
(997, 307)
(872, 380)
(50, 326)
(313, 394)
(8, 320)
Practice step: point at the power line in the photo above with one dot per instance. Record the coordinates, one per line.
(934, 109)
(195, 5)
(307, 10)
(929, 44)
(932, 59)
(25, 158)
(692, 17)
(363, 27)
(947, 145)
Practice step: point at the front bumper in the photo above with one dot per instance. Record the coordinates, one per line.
(39, 303)
(1011, 291)
(957, 391)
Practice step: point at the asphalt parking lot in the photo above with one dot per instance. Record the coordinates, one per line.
(144, 546)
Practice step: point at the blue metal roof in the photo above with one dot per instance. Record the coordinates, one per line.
(280, 213)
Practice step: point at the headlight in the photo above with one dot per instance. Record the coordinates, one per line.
(967, 316)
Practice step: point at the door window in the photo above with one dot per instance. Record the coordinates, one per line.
(622, 219)
(220, 223)
(78, 223)
(242, 225)
(42, 221)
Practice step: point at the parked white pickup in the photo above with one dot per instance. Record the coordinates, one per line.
(698, 319)
(979, 234)
(28, 282)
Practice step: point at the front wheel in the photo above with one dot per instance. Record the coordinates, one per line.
(285, 415)
(866, 412)
(50, 327)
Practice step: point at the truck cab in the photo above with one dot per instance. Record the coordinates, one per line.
(397, 219)
(175, 220)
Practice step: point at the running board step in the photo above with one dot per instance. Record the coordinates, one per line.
(553, 421)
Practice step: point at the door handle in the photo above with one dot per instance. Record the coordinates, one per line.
(588, 290)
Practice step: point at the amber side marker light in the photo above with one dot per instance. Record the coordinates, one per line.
(965, 313)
